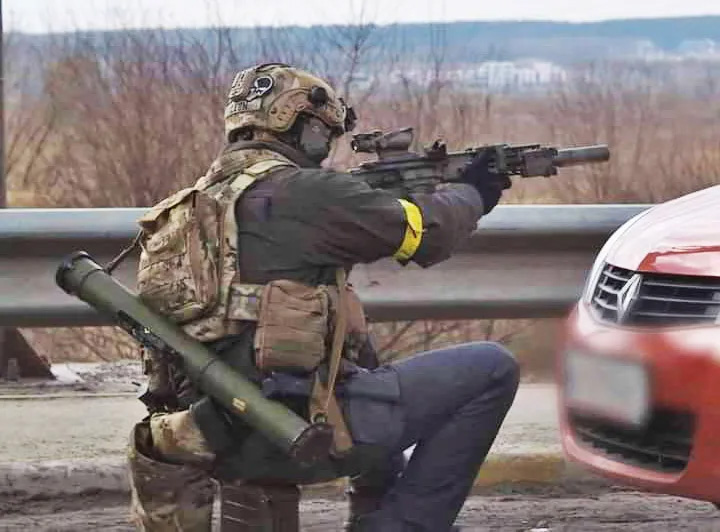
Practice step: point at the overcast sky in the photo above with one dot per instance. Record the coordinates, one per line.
(63, 15)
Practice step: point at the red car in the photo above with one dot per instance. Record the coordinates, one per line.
(640, 361)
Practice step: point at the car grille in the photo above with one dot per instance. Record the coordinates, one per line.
(665, 444)
(624, 296)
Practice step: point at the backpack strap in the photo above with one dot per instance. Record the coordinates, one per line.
(120, 257)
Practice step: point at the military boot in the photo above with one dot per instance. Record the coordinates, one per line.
(368, 524)
(166, 497)
(361, 501)
(259, 507)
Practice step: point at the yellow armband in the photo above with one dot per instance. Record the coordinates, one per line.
(413, 231)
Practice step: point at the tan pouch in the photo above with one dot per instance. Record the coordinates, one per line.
(292, 327)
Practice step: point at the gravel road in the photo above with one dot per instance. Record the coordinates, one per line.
(611, 511)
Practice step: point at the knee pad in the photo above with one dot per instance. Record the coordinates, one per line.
(177, 438)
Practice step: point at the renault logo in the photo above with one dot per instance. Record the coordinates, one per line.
(627, 296)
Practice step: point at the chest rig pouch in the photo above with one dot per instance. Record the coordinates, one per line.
(305, 330)
(293, 327)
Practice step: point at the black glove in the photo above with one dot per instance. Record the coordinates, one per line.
(488, 184)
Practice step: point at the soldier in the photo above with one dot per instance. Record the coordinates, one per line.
(252, 260)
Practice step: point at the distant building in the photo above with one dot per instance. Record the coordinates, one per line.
(696, 49)
(701, 48)
(519, 75)
(647, 51)
(506, 76)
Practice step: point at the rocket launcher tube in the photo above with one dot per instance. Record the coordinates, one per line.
(79, 275)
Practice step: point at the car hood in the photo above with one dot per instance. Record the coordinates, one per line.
(680, 237)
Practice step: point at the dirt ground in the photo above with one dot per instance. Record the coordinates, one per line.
(531, 512)
(91, 420)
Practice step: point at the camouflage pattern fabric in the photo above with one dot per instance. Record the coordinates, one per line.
(166, 497)
(188, 264)
(178, 439)
(177, 274)
(237, 301)
(270, 97)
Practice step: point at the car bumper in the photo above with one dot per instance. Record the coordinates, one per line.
(678, 450)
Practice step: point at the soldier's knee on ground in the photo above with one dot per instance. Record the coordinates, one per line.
(166, 497)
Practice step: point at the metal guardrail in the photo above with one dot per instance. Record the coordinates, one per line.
(525, 261)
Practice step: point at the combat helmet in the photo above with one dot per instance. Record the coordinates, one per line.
(271, 96)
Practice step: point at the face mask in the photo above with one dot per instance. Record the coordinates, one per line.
(316, 140)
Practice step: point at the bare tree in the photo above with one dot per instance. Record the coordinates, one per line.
(397, 340)
(125, 118)
(646, 124)
(140, 119)
(30, 120)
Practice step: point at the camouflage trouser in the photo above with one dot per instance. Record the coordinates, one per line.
(167, 496)
(172, 490)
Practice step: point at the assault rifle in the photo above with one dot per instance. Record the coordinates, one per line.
(397, 168)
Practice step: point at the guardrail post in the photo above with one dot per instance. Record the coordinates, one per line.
(3, 359)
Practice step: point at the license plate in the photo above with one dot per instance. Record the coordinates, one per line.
(614, 388)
